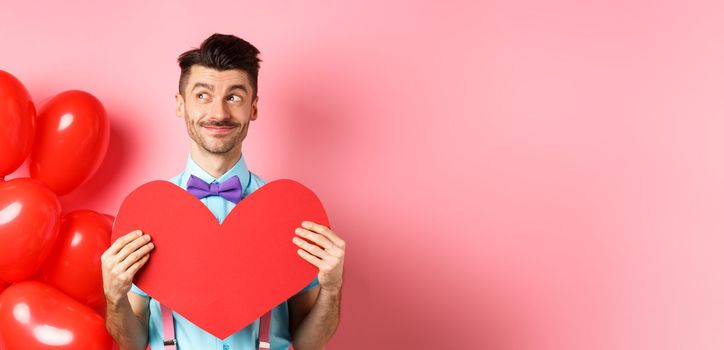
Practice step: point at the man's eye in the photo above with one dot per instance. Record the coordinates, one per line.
(234, 98)
(202, 96)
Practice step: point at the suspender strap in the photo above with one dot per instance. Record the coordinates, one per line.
(265, 331)
(169, 335)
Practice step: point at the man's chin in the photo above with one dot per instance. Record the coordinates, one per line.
(217, 149)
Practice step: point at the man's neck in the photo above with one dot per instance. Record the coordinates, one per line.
(215, 164)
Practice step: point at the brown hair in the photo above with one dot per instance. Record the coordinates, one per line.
(221, 52)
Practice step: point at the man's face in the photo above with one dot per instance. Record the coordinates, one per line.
(217, 107)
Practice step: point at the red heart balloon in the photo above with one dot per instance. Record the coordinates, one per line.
(29, 216)
(110, 218)
(17, 120)
(74, 265)
(71, 140)
(36, 316)
(241, 268)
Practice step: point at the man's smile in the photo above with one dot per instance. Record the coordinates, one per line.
(219, 129)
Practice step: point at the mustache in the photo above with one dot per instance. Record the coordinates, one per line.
(220, 123)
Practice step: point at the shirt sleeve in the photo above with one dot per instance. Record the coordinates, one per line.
(138, 291)
(314, 283)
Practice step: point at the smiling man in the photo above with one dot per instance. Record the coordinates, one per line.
(218, 100)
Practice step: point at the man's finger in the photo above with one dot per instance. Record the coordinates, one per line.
(132, 247)
(310, 258)
(123, 240)
(135, 256)
(324, 230)
(321, 241)
(311, 248)
(131, 272)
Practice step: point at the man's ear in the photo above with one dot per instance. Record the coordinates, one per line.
(254, 109)
(179, 105)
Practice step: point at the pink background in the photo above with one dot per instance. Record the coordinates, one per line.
(508, 175)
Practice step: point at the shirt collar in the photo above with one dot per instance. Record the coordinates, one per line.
(239, 169)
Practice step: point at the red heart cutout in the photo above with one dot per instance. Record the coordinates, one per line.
(240, 269)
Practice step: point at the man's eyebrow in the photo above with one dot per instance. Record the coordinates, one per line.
(203, 85)
(211, 87)
(238, 86)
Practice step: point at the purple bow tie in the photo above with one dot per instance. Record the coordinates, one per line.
(229, 189)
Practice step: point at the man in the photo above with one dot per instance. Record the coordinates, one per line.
(218, 100)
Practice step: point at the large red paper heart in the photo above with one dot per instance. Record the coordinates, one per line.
(221, 277)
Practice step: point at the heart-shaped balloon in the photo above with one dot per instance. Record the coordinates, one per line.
(17, 123)
(71, 140)
(34, 315)
(240, 269)
(74, 264)
(29, 217)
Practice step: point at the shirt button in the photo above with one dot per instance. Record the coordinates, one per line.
(226, 347)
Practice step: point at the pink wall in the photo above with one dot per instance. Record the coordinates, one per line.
(508, 175)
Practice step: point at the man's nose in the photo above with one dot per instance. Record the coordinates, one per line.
(219, 109)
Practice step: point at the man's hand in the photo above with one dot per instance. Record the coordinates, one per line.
(327, 253)
(324, 249)
(121, 262)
